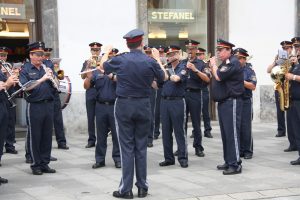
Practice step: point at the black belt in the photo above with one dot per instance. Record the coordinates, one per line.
(192, 90)
(132, 97)
(43, 101)
(172, 98)
(106, 102)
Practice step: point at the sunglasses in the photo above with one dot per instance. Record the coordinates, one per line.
(39, 54)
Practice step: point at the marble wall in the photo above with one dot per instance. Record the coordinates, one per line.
(267, 106)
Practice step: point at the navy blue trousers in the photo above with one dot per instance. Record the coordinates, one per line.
(3, 125)
(281, 128)
(11, 133)
(295, 122)
(230, 113)
(193, 106)
(40, 126)
(105, 122)
(246, 140)
(58, 122)
(152, 102)
(205, 110)
(133, 123)
(157, 112)
(173, 119)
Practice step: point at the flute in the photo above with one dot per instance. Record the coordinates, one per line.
(87, 71)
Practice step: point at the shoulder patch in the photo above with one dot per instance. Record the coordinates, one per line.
(206, 70)
(253, 78)
(183, 72)
(224, 68)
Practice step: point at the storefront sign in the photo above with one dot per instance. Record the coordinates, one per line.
(12, 11)
(171, 15)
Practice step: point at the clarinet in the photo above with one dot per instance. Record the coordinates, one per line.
(55, 85)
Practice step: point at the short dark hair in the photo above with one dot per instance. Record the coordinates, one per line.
(134, 45)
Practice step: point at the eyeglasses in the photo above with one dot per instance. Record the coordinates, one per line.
(38, 54)
(95, 49)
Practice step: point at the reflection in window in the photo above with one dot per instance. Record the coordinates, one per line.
(174, 21)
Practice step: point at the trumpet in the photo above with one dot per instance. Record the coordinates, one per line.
(7, 66)
(60, 74)
(52, 79)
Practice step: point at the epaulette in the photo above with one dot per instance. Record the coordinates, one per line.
(123, 53)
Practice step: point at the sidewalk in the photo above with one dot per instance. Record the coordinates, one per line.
(267, 176)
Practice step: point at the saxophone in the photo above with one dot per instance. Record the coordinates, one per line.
(281, 84)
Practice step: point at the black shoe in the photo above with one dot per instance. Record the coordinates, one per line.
(199, 153)
(118, 164)
(222, 167)
(150, 145)
(126, 195)
(37, 172)
(295, 162)
(166, 163)
(192, 136)
(48, 170)
(155, 137)
(98, 165)
(3, 180)
(242, 155)
(290, 149)
(184, 164)
(175, 153)
(62, 146)
(208, 135)
(29, 160)
(232, 171)
(280, 135)
(248, 156)
(142, 192)
(53, 158)
(12, 151)
(90, 145)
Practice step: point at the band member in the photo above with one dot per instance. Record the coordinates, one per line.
(294, 111)
(287, 46)
(58, 117)
(281, 127)
(173, 113)
(5, 84)
(11, 133)
(41, 98)
(148, 52)
(106, 96)
(198, 73)
(296, 45)
(227, 90)
(205, 99)
(246, 140)
(135, 73)
(90, 94)
(163, 59)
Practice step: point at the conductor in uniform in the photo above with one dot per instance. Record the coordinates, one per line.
(227, 90)
(135, 73)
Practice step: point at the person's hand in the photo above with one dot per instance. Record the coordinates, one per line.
(154, 85)
(289, 76)
(155, 54)
(11, 80)
(2, 85)
(191, 66)
(213, 61)
(108, 48)
(89, 75)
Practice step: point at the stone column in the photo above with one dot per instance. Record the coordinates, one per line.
(142, 17)
(222, 19)
(49, 20)
(297, 25)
